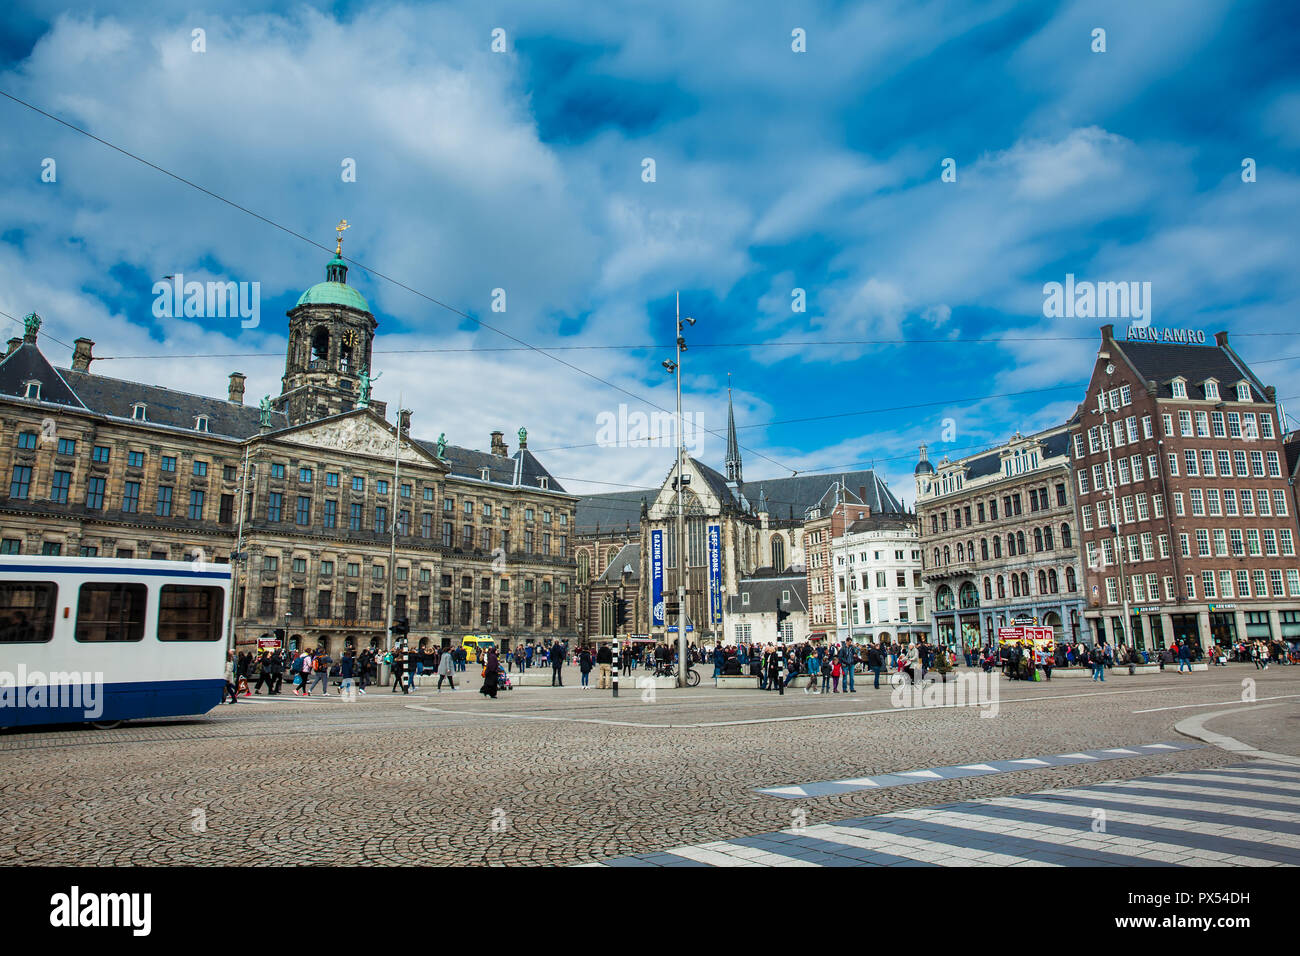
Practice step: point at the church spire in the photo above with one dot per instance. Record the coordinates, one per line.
(733, 446)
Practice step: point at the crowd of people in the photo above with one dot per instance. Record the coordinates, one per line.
(829, 667)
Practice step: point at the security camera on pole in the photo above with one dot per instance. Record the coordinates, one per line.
(682, 617)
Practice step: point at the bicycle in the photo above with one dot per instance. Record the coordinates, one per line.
(692, 675)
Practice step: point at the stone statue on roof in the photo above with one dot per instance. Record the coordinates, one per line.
(265, 406)
(523, 437)
(442, 444)
(31, 324)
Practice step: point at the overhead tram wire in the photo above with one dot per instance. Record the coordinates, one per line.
(360, 265)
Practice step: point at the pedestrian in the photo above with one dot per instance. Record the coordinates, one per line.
(320, 672)
(848, 661)
(446, 669)
(490, 666)
(837, 670)
(556, 654)
(826, 668)
(873, 662)
(399, 670)
(264, 674)
(605, 661)
(584, 665)
(230, 689)
(347, 667)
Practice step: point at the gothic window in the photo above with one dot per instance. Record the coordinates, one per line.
(778, 553)
(320, 344)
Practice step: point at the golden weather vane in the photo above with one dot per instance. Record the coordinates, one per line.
(343, 225)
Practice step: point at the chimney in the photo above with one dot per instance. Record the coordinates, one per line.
(236, 396)
(499, 445)
(81, 357)
(1221, 339)
(404, 421)
(1107, 335)
(13, 345)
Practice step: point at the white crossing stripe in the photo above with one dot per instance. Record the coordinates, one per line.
(929, 774)
(792, 791)
(1125, 800)
(913, 848)
(979, 766)
(1119, 750)
(1213, 776)
(1081, 756)
(711, 856)
(860, 782)
(1131, 846)
(1031, 760)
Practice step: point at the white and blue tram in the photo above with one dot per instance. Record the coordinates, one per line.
(103, 640)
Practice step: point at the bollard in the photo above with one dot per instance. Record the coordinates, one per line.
(615, 669)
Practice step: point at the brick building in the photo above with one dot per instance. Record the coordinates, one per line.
(1184, 503)
(103, 467)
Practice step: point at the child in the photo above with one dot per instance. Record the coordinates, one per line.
(835, 676)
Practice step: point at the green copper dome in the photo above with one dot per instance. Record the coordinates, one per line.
(335, 289)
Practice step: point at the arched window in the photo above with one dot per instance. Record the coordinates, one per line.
(969, 596)
(984, 549)
(1011, 545)
(1042, 582)
(1020, 542)
(1024, 583)
(947, 555)
(936, 557)
(988, 588)
(1053, 582)
(943, 598)
(961, 550)
(1038, 539)
(1047, 537)
(997, 547)
(320, 344)
(1065, 535)
(1002, 588)
(584, 567)
(778, 552)
(970, 550)
(1015, 585)
(1070, 583)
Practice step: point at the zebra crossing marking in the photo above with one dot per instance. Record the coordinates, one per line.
(1173, 819)
(824, 788)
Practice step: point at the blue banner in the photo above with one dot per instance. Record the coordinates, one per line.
(657, 578)
(715, 573)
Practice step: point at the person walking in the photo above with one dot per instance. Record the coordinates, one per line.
(320, 671)
(490, 666)
(874, 662)
(446, 670)
(848, 661)
(584, 665)
(1185, 657)
(605, 661)
(1098, 659)
(264, 675)
(347, 667)
(826, 668)
(399, 670)
(230, 690)
(557, 652)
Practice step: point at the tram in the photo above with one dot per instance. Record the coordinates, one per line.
(102, 640)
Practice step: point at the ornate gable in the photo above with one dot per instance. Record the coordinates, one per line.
(358, 433)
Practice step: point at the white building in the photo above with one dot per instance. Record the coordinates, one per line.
(752, 612)
(879, 594)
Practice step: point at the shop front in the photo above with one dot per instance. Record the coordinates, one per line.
(1223, 625)
(1186, 627)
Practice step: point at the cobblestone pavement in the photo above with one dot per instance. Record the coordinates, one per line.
(562, 776)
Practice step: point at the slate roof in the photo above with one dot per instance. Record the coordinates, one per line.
(628, 556)
(990, 463)
(765, 593)
(614, 511)
(115, 397)
(1164, 361)
(469, 463)
(1291, 447)
(882, 522)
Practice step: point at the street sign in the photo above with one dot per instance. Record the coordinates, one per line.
(267, 643)
(672, 628)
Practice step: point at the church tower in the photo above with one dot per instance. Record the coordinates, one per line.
(331, 332)
(734, 477)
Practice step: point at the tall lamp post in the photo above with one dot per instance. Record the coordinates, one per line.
(675, 366)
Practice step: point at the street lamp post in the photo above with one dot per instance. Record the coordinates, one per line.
(675, 366)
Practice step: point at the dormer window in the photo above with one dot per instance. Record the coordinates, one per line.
(483, 473)
(1212, 389)
(544, 482)
(138, 412)
(201, 423)
(1179, 388)
(32, 390)
(1243, 392)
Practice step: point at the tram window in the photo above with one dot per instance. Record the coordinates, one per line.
(111, 612)
(27, 611)
(187, 613)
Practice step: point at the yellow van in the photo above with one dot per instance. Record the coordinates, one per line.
(476, 647)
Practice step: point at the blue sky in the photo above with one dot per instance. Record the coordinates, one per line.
(775, 171)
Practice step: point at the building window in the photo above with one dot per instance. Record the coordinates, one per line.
(59, 485)
(99, 453)
(164, 507)
(168, 463)
(196, 505)
(22, 482)
(304, 510)
(274, 503)
(354, 516)
(131, 497)
(94, 493)
(331, 513)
